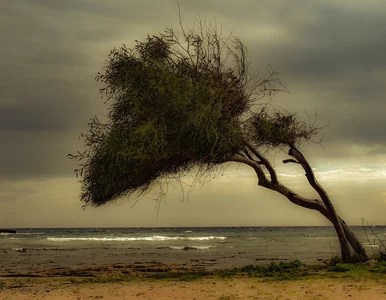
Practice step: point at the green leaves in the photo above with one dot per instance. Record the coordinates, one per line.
(175, 103)
(277, 129)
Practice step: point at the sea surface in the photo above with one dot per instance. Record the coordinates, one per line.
(209, 247)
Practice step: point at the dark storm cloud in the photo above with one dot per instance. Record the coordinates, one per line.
(129, 11)
(332, 56)
(32, 155)
(39, 84)
(334, 64)
(50, 54)
(43, 104)
(19, 118)
(337, 46)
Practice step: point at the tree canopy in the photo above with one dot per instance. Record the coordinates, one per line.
(178, 102)
(187, 101)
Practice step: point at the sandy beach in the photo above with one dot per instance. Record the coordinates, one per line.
(208, 288)
(165, 281)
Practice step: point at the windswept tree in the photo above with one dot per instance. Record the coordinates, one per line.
(186, 102)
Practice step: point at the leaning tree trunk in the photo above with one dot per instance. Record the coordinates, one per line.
(354, 242)
(316, 204)
(343, 241)
(333, 217)
(256, 160)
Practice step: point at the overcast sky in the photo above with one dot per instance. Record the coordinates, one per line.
(331, 54)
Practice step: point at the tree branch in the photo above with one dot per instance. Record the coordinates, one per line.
(295, 198)
(314, 204)
(323, 206)
(354, 242)
(331, 213)
(255, 165)
(285, 161)
(307, 168)
(267, 164)
(248, 154)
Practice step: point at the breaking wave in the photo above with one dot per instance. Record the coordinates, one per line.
(129, 239)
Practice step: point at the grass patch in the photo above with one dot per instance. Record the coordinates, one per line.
(275, 271)
(349, 270)
(379, 268)
(294, 270)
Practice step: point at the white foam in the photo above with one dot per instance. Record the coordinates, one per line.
(177, 247)
(19, 249)
(129, 239)
(200, 247)
(206, 238)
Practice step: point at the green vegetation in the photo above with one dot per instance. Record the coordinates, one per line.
(186, 103)
(282, 271)
(379, 268)
(294, 270)
(175, 105)
(180, 103)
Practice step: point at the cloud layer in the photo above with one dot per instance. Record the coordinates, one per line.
(330, 52)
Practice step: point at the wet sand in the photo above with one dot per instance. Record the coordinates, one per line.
(30, 261)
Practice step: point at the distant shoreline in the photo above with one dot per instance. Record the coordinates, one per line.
(7, 231)
(182, 227)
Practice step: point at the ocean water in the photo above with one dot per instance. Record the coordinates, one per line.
(211, 247)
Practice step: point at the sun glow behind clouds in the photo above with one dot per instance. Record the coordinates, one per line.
(234, 194)
(344, 173)
(355, 173)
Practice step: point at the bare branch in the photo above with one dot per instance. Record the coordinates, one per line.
(294, 152)
(267, 164)
(285, 161)
(259, 171)
(332, 215)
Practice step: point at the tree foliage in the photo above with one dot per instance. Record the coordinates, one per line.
(178, 102)
(187, 101)
(277, 129)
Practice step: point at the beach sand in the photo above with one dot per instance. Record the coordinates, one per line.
(206, 288)
(155, 280)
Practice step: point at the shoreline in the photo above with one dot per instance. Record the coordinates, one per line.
(29, 260)
(214, 248)
(153, 269)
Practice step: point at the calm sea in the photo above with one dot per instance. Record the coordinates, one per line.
(213, 247)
